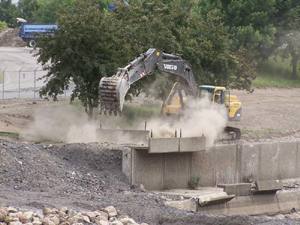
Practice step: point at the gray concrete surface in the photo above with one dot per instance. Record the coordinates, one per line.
(168, 145)
(163, 145)
(281, 202)
(222, 164)
(139, 137)
(240, 189)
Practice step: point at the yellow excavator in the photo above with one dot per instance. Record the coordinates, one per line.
(112, 90)
(217, 95)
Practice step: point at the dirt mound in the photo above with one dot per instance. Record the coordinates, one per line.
(87, 177)
(10, 38)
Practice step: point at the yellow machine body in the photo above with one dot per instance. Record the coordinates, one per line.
(217, 95)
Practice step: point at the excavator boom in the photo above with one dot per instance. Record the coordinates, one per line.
(112, 90)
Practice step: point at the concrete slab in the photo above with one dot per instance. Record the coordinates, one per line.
(188, 193)
(287, 160)
(188, 204)
(203, 165)
(192, 144)
(249, 171)
(163, 145)
(212, 199)
(240, 189)
(268, 161)
(147, 169)
(288, 201)
(124, 136)
(225, 163)
(264, 204)
(270, 186)
(177, 170)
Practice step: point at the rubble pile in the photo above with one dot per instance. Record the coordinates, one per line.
(64, 216)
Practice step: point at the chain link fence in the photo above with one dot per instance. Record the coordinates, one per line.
(22, 83)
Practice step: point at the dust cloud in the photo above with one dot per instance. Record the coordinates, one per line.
(69, 124)
(199, 118)
(61, 123)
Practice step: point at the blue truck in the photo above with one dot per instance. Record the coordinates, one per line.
(29, 32)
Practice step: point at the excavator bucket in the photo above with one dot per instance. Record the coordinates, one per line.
(112, 91)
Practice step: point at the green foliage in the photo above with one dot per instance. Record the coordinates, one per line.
(250, 22)
(9, 134)
(27, 8)
(133, 114)
(7, 12)
(288, 36)
(275, 73)
(3, 25)
(91, 44)
(194, 182)
(48, 11)
(81, 50)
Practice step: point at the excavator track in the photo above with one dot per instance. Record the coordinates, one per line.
(234, 132)
(109, 99)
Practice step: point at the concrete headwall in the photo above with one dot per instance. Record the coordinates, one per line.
(222, 164)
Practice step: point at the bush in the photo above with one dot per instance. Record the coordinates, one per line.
(3, 25)
(194, 183)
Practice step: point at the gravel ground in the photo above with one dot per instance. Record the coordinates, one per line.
(89, 177)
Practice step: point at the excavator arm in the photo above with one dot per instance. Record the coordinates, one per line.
(112, 90)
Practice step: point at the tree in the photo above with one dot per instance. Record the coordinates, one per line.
(250, 22)
(7, 12)
(91, 44)
(81, 51)
(47, 12)
(288, 35)
(3, 25)
(27, 8)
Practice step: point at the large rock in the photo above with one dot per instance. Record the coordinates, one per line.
(15, 223)
(36, 221)
(75, 219)
(25, 217)
(54, 218)
(111, 211)
(116, 222)
(127, 221)
(91, 215)
(47, 211)
(101, 222)
(3, 213)
(101, 215)
(47, 221)
(71, 213)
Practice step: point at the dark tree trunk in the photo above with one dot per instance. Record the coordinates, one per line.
(90, 109)
(294, 63)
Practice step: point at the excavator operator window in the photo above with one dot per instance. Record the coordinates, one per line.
(218, 96)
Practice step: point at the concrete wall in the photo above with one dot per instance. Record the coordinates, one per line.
(282, 202)
(222, 164)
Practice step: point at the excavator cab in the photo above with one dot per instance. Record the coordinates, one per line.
(221, 95)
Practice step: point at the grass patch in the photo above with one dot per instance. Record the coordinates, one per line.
(275, 73)
(136, 114)
(9, 134)
(194, 183)
(132, 115)
(259, 132)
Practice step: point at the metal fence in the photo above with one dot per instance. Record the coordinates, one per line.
(22, 83)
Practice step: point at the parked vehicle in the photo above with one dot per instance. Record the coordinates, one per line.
(30, 32)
